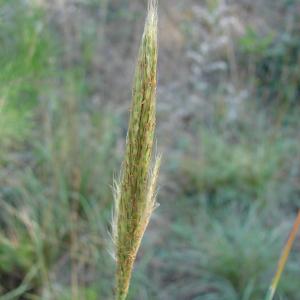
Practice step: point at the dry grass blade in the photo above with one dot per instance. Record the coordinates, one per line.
(283, 259)
(135, 195)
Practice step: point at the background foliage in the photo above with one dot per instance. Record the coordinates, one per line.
(228, 124)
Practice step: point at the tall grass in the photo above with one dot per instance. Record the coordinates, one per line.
(135, 194)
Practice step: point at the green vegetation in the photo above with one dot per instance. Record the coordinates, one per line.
(229, 186)
(226, 170)
(23, 60)
(274, 58)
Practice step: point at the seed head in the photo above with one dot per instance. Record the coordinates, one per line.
(135, 194)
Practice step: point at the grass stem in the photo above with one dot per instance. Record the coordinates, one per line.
(283, 259)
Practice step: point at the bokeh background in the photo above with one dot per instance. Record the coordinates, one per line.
(228, 127)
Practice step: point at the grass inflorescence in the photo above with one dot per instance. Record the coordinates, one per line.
(135, 194)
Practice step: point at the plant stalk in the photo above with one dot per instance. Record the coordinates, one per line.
(283, 259)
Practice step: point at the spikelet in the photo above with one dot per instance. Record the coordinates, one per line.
(135, 194)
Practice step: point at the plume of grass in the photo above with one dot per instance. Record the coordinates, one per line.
(135, 194)
(283, 259)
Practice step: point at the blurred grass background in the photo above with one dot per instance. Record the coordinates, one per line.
(228, 125)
